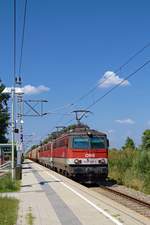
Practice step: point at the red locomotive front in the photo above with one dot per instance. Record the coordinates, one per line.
(80, 153)
(88, 156)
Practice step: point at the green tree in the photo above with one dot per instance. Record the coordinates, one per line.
(146, 140)
(4, 115)
(129, 144)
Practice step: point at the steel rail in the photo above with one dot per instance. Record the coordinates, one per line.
(141, 202)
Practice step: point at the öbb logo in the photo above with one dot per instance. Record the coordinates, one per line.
(89, 155)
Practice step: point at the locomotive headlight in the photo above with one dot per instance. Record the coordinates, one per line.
(102, 161)
(77, 161)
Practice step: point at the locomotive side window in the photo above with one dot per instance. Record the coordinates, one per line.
(97, 142)
(81, 142)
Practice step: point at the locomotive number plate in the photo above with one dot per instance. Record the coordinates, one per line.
(89, 161)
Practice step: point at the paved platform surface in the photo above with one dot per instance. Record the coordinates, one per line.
(47, 198)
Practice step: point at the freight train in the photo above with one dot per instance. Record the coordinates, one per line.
(80, 153)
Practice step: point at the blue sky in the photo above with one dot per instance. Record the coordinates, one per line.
(69, 46)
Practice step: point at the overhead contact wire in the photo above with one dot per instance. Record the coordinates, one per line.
(23, 35)
(100, 83)
(118, 69)
(117, 85)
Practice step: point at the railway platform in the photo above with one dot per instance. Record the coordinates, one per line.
(48, 198)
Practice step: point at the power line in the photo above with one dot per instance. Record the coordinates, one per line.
(117, 85)
(23, 35)
(115, 71)
(118, 69)
(133, 56)
(61, 107)
(100, 83)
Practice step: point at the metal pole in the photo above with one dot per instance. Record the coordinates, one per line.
(18, 139)
(13, 128)
(20, 121)
(21, 125)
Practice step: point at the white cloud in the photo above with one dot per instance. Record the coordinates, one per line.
(110, 79)
(29, 89)
(8, 90)
(125, 121)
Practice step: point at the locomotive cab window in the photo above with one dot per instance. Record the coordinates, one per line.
(81, 142)
(97, 142)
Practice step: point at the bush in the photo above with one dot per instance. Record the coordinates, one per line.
(131, 168)
(9, 185)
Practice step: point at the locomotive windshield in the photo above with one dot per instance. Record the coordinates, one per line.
(89, 143)
(81, 142)
(97, 142)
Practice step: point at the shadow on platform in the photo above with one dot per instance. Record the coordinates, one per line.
(41, 183)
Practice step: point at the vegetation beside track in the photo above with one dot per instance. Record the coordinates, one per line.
(9, 185)
(130, 166)
(4, 114)
(8, 210)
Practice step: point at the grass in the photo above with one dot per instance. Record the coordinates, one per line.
(9, 185)
(29, 217)
(8, 210)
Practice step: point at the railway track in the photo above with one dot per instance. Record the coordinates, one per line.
(129, 201)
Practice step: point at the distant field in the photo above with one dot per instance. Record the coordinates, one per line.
(8, 210)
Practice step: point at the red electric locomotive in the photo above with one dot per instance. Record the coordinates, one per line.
(81, 153)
